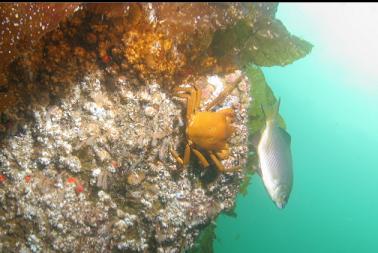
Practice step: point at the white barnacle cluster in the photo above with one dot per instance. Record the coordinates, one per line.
(72, 163)
(34, 243)
(106, 143)
(96, 111)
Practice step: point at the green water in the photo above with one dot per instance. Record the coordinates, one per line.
(331, 110)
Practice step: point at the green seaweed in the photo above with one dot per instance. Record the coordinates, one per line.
(204, 242)
(233, 37)
(265, 42)
(271, 45)
(262, 95)
(246, 181)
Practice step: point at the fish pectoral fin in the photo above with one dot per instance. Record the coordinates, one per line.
(285, 135)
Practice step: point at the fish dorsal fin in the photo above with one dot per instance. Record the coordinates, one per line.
(275, 109)
(285, 135)
(272, 112)
(263, 111)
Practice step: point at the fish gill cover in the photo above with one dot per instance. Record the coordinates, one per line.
(88, 116)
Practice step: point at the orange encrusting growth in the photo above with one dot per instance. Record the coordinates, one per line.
(27, 178)
(2, 178)
(71, 180)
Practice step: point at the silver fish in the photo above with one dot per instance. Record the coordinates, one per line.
(276, 166)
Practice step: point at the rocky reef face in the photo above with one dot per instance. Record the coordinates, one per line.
(88, 115)
(84, 160)
(166, 43)
(92, 170)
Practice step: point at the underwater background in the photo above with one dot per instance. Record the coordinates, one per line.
(87, 122)
(329, 100)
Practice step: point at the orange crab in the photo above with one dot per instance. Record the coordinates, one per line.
(207, 131)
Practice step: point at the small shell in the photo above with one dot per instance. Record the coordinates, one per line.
(135, 178)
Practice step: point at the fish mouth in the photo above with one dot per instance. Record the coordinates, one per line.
(281, 196)
(280, 205)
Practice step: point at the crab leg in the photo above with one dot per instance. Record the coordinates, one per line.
(198, 98)
(201, 158)
(220, 166)
(189, 105)
(187, 154)
(194, 97)
(217, 163)
(223, 154)
(176, 156)
(221, 97)
(181, 161)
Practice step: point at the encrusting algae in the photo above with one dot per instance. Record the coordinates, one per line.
(88, 116)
